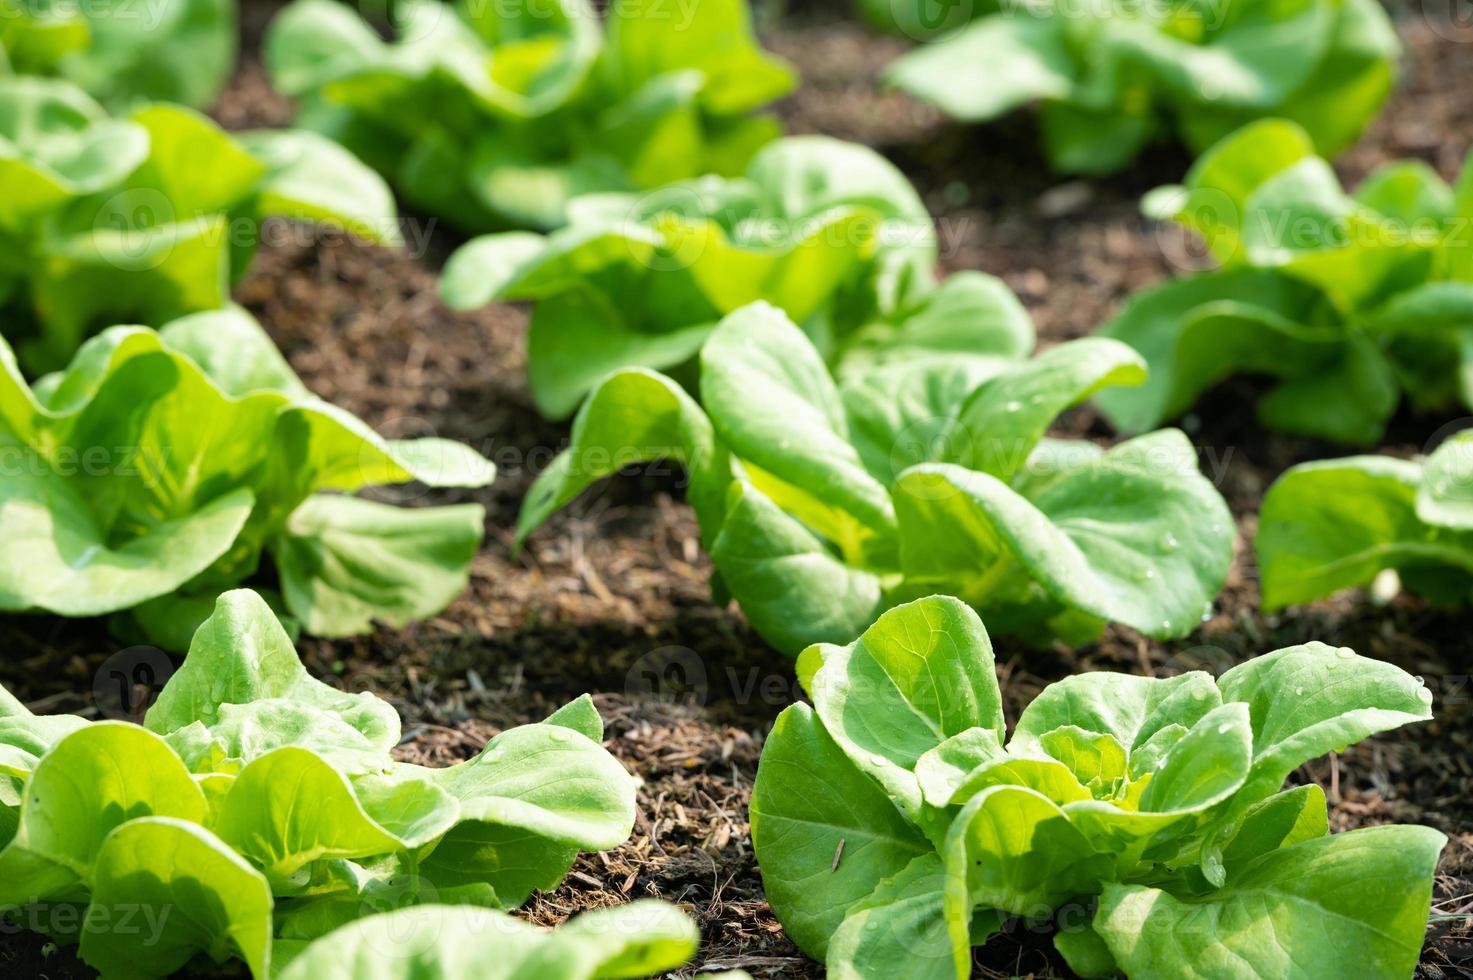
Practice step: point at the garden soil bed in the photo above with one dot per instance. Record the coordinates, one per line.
(611, 596)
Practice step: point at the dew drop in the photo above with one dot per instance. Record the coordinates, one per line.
(872, 925)
(1224, 728)
(561, 735)
(1166, 624)
(1344, 653)
(1299, 692)
(1424, 695)
(1421, 681)
(1012, 406)
(879, 760)
(1169, 541)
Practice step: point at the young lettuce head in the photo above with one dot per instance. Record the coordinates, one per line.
(158, 468)
(897, 825)
(258, 815)
(150, 217)
(1340, 523)
(1114, 77)
(829, 232)
(495, 115)
(121, 53)
(823, 500)
(1349, 301)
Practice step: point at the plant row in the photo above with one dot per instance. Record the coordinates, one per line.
(902, 449)
(258, 815)
(1111, 78)
(858, 437)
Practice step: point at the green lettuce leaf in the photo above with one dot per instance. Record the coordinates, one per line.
(1089, 540)
(1111, 79)
(640, 939)
(894, 931)
(810, 806)
(242, 654)
(153, 868)
(1309, 700)
(901, 690)
(1296, 910)
(791, 585)
(634, 417)
(348, 563)
(1336, 524)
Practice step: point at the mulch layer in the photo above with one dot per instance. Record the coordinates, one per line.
(611, 595)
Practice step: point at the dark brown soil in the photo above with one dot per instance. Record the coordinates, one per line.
(611, 595)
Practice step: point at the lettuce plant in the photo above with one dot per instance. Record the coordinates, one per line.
(1339, 523)
(495, 115)
(830, 232)
(823, 501)
(897, 826)
(1112, 78)
(1347, 301)
(258, 809)
(123, 52)
(642, 939)
(159, 467)
(144, 219)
